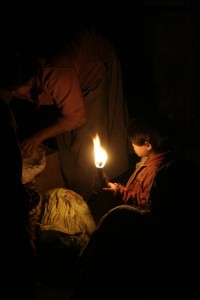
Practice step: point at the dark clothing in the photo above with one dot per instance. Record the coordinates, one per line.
(111, 266)
(30, 118)
(139, 255)
(17, 250)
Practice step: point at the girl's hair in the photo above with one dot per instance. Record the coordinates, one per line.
(16, 69)
(155, 129)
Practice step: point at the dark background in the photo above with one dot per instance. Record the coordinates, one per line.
(157, 42)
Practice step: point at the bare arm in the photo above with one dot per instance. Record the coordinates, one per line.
(29, 145)
(62, 88)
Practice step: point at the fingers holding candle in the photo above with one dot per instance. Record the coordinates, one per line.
(110, 187)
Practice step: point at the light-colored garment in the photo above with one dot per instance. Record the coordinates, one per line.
(65, 211)
(32, 167)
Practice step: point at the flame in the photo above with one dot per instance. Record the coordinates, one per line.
(100, 154)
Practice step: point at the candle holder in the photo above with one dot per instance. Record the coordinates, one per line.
(100, 180)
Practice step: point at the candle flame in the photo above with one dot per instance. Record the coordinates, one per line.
(100, 154)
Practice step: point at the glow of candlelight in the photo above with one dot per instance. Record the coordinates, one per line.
(100, 154)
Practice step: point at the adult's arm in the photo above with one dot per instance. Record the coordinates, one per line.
(61, 88)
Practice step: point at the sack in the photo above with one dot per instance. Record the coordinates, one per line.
(65, 211)
(64, 228)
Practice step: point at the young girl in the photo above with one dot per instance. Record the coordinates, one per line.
(152, 138)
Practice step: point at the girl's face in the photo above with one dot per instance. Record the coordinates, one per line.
(143, 150)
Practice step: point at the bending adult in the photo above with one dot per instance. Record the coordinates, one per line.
(78, 93)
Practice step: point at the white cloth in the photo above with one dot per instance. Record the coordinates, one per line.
(33, 166)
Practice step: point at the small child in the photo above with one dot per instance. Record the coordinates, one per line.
(152, 138)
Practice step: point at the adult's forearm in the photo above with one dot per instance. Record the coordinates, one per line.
(49, 132)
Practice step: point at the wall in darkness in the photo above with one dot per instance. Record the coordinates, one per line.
(158, 43)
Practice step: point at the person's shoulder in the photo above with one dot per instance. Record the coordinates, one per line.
(57, 71)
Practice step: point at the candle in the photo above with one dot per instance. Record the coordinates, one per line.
(100, 178)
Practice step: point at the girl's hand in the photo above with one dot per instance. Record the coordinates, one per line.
(111, 187)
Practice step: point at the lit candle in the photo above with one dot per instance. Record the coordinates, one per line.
(101, 179)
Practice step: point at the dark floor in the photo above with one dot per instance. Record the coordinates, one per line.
(53, 292)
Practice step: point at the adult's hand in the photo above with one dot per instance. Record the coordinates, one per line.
(29, 146)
